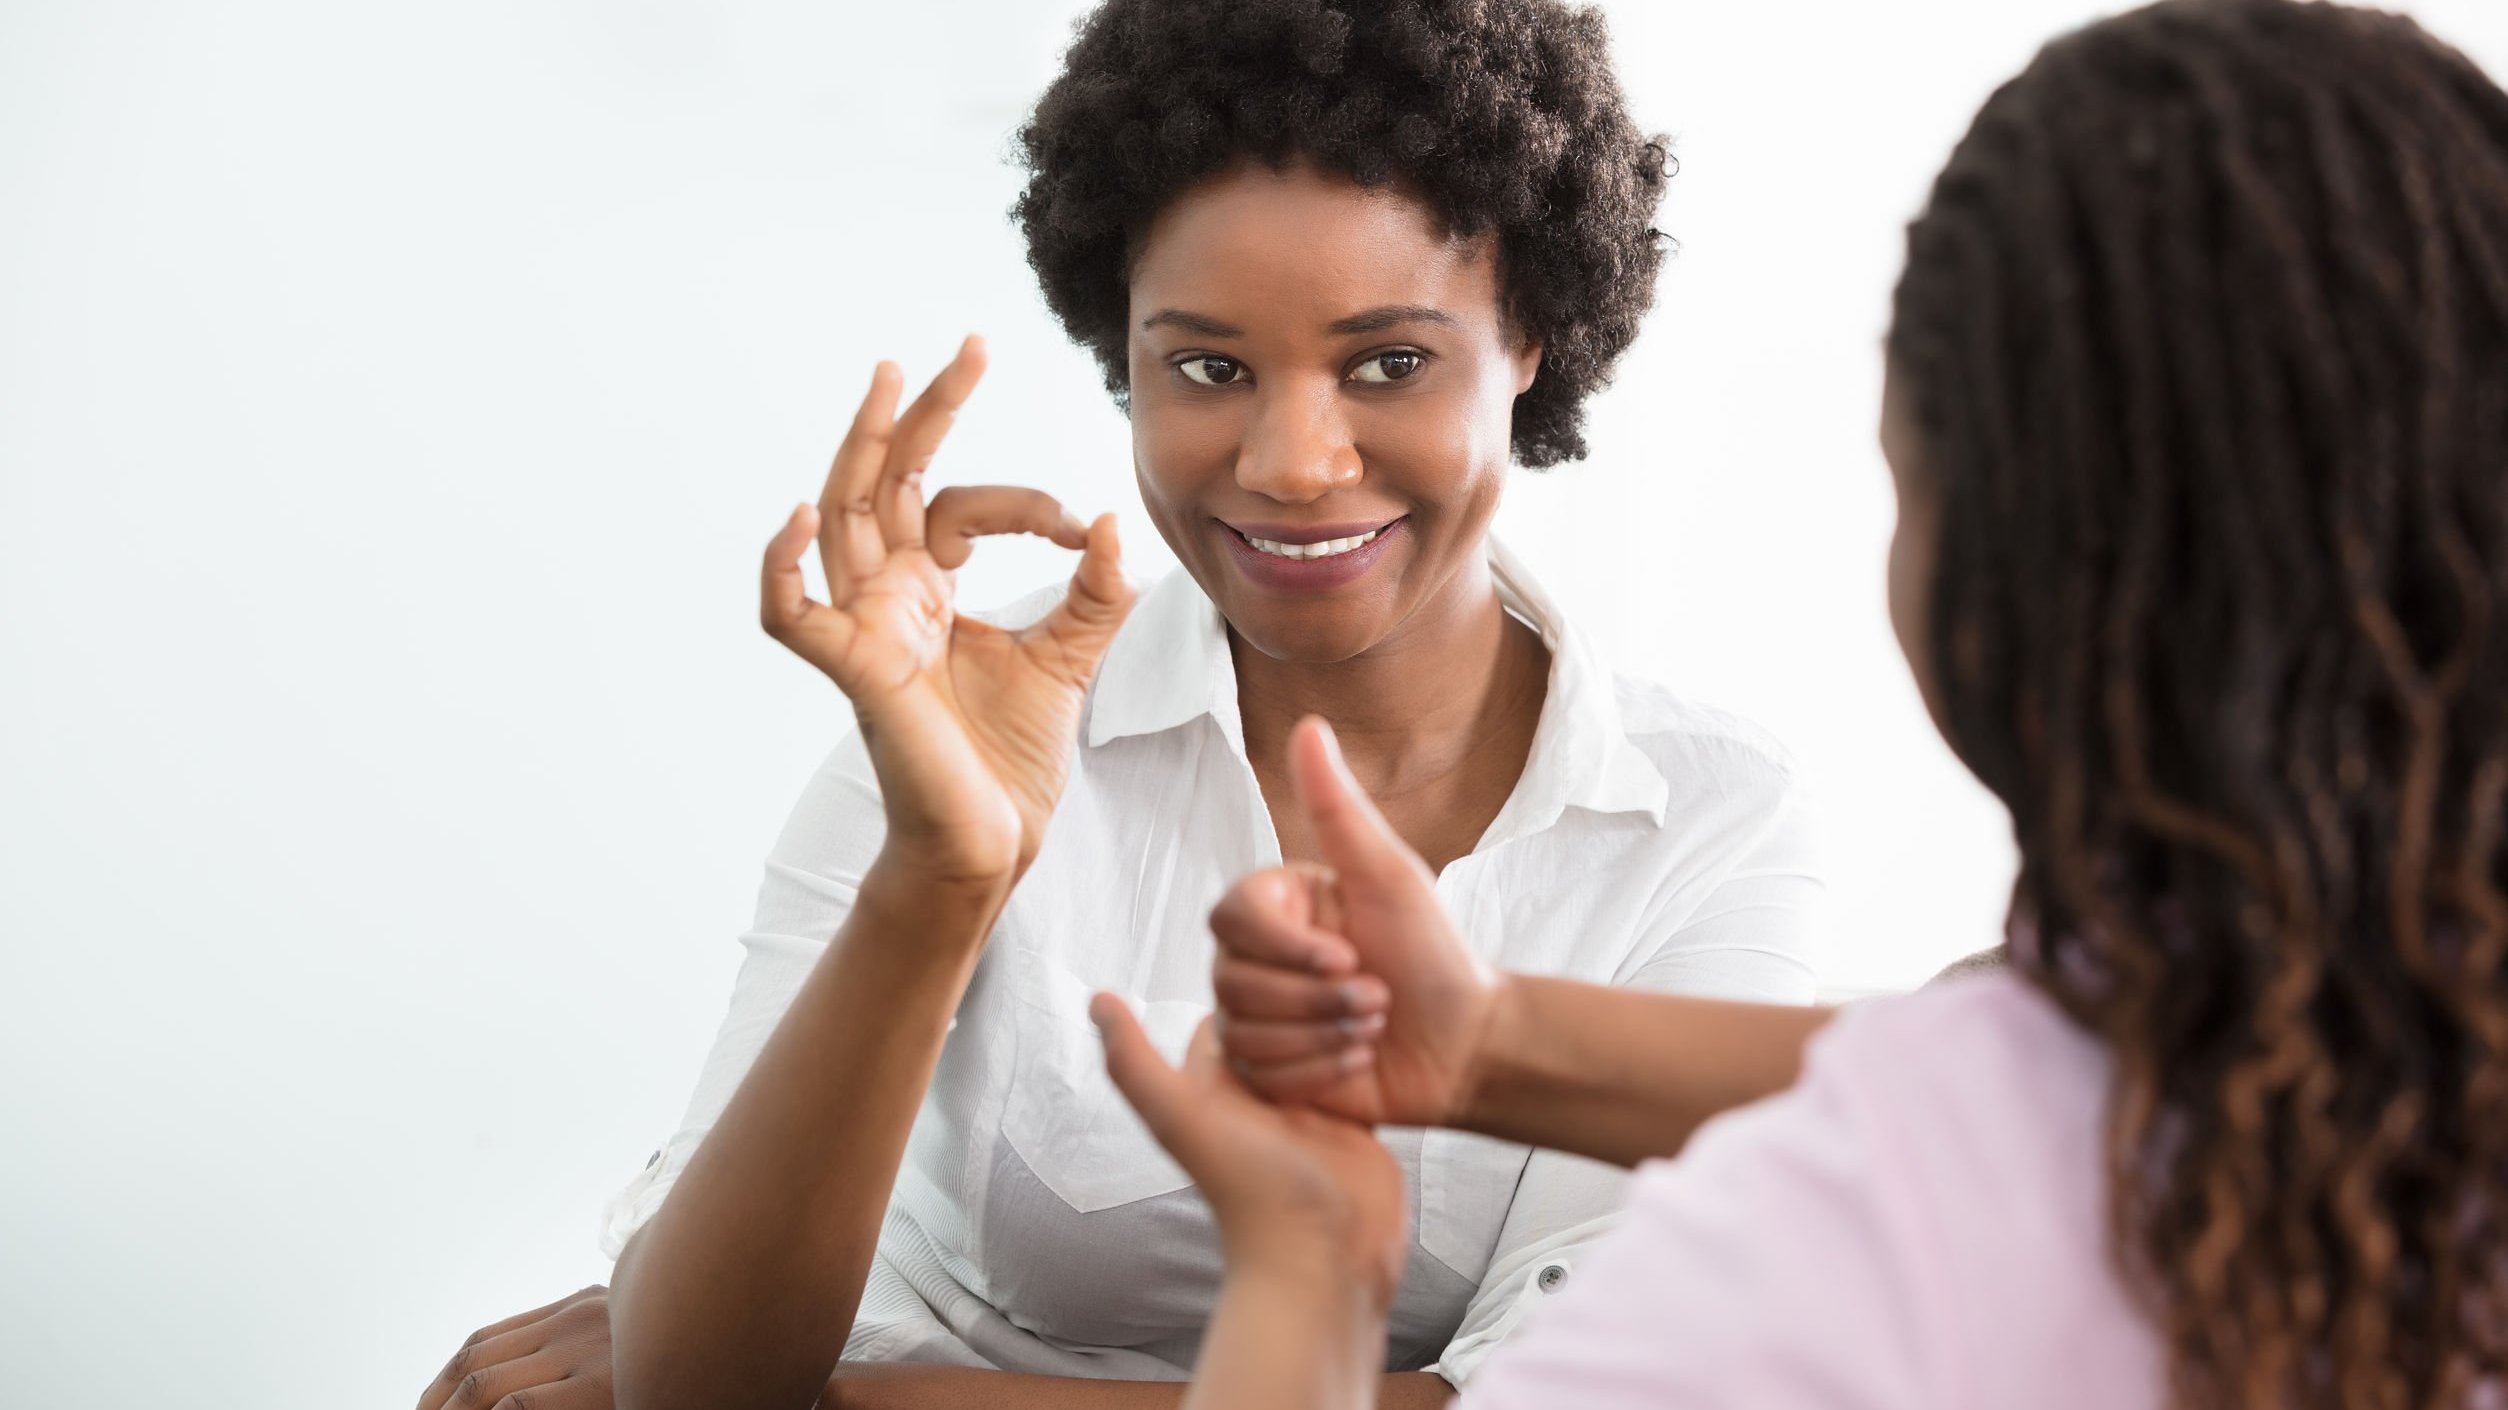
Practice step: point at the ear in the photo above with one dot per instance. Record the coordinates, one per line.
(1527, 365)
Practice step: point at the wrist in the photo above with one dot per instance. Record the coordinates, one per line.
(1320, 1266)
(946, 880)
(939, 901)
(1496, 1048)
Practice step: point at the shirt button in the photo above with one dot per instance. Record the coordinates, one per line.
(1552, 1277)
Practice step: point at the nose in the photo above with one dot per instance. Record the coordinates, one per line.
(1298, 447)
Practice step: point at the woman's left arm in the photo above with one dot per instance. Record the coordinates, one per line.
(740, 1289)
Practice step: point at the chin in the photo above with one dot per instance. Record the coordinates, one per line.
(1308, 636)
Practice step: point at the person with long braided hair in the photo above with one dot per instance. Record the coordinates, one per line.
(2198, 409)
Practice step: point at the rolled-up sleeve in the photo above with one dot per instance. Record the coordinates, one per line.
(811, 879)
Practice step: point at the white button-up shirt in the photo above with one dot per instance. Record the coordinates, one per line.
(1035, 1225)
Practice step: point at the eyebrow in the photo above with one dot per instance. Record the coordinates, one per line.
(1377, 320)
(1374, 320)
(1191, 323)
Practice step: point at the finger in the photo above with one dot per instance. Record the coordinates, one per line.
(480, 1354)
(1265, 993)
(850, 544)
(1300, 1078)
(964, 513)
(483, 1388)
(784, 606)
(1261, 1042)
(919, 434)
(1157, 1091)
(576, 1392)
(1352, 835)
(1099, 594)
(1083, 624)
(525, 1319)
(516, 1336)
(1265, 919)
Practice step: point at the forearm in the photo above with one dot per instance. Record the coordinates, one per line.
(740, 1291)
(1290, 1338)
(1625, 1075)
(904, 1386)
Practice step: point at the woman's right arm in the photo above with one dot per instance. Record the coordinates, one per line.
(1614, 1074)
(740, 1290)
(1622, 1075)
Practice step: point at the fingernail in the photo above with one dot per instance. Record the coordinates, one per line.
(1364, 1026)
(1355, 1059)
(1356, 996)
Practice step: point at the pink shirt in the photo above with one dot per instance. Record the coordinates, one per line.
(1921, 1222)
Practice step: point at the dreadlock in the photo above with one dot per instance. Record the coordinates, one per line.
(2206, 332)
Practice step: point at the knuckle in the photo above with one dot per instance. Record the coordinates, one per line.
(519, 1400)
(473, 1392)
(1228, 915)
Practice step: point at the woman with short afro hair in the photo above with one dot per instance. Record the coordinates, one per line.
(1504, 119)
(1343, 265)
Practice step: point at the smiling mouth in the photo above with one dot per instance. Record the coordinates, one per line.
(1328, 548)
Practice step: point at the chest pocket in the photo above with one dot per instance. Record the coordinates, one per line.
(1466, 1185)
(1064, 1116)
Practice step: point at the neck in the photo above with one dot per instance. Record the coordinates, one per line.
(1455, 675)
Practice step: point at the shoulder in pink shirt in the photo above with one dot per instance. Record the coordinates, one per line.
(1920, 1222)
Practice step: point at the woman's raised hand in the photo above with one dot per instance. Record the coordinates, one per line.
(1346, 987)
(969, 727)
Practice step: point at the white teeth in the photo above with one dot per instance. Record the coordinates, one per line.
(1329, 548)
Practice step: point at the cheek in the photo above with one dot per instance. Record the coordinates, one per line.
(1176, 450)
(1449, 447)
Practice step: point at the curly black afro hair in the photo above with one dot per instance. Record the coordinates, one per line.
(1504, 115)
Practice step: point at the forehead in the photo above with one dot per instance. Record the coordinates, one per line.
(1254, 244)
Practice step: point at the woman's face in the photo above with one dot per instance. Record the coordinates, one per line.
(1322, 395)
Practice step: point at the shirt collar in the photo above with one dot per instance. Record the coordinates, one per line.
(1170, 665)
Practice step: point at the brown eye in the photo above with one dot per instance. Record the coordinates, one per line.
(1389, 367)
(1212, 371)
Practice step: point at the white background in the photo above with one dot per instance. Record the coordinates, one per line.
(393, 400)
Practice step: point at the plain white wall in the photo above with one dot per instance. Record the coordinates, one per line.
(392, 403)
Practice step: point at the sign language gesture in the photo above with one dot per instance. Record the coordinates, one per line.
(1346, 987)
(970, 727)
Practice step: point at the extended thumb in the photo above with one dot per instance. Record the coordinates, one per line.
(1354, 837)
